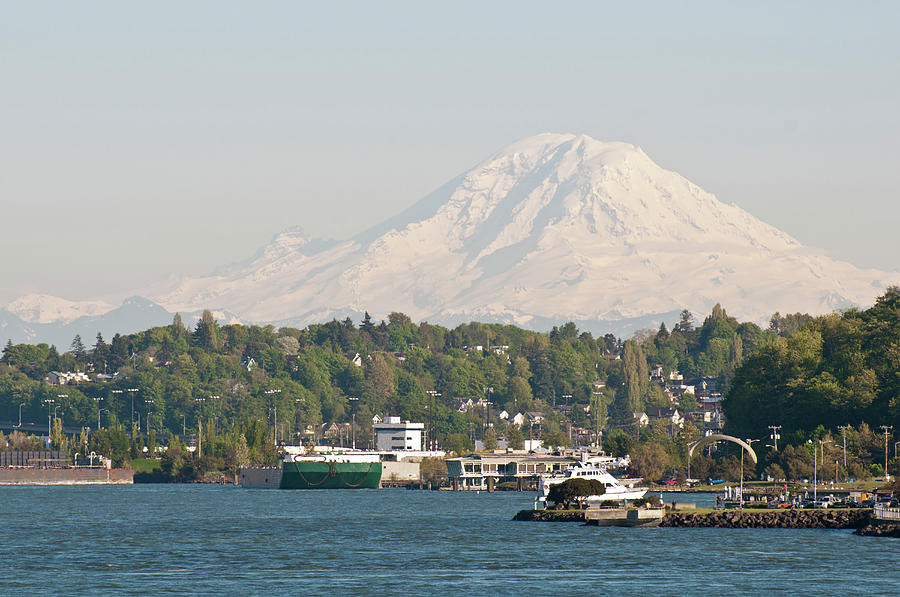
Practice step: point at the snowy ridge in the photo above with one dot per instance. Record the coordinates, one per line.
(551, 228)
(43, 308)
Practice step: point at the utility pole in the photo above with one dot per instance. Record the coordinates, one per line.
(844, 429)
(775, 434)
(200, 436)
(887, 429)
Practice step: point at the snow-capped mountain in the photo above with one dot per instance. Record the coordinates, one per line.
(43, 308)
(550, 229)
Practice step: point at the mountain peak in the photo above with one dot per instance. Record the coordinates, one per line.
(551, 228)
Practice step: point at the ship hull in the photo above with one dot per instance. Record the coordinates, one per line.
(330, 475)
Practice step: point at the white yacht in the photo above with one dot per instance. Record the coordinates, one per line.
(589, 469)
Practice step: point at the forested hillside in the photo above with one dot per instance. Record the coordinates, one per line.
(802, 373)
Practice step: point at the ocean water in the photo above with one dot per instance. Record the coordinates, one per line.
(223, 540)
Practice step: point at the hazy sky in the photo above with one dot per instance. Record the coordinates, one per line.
(140, 140)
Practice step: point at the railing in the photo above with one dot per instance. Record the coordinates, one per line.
(882, 512)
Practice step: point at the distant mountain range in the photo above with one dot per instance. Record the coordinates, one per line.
(550, 229)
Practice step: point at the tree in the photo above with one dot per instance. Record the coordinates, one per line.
(490, 439)
(77, 348)
(514, 438)
(458, 443)
(649, 461)
(577, 489)
(206, 333)
(618, 443)
(555, 439)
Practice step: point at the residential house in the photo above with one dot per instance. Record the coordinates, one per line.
(670, 416)
(641, 418)
(59, 378)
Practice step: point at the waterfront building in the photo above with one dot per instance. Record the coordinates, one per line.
(394, 434)
(473, 471)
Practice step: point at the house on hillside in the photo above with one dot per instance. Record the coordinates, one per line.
(534, 417)
(641, 419)
(518, 419)
(670, 416)
(59, 378)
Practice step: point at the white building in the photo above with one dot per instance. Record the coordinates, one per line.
(394, 434)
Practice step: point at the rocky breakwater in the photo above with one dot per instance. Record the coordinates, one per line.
(550, 515)
(770, 519)
(884, 529)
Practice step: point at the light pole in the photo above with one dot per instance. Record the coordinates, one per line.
(432, 394)
(887, 429)
(215, 399)
(822, 443)
(98, 401)
(200, 427)
(117, 403)
(132, 391)
(149, 404)
(749, 443)
(101, 410)
(23, 404)
(844, 429)
(49, 402)
(275, 419)
(353, 421)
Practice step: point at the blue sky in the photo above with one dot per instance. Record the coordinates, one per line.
(141, 140)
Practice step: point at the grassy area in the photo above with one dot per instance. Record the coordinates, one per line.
(145, 465)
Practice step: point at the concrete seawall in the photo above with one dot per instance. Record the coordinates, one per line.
(260, 477)
(66, 476)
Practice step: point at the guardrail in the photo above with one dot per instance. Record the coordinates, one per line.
(884, 513)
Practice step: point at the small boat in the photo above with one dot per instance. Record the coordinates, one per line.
(615, 491)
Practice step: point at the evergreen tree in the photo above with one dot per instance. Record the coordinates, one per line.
(178, 329)
(7, 352)
(78, 350)
(206, 333)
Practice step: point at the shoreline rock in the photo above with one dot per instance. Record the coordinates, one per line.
(884, 529)
(770, 519)
(550, 515)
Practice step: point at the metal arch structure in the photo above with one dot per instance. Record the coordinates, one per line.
(718, 437)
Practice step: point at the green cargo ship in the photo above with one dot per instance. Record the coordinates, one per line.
(331, 471)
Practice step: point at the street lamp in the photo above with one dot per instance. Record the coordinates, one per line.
(132, 391)
(23, 404)
(822, 443)
(149, 404)
(432, 394)
(48, 402)
(98, 401)
(215, 399)
(353, 420)
(275, 420)
(749, 443)
(200, 427)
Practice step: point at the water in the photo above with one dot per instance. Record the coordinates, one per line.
(204, 540)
